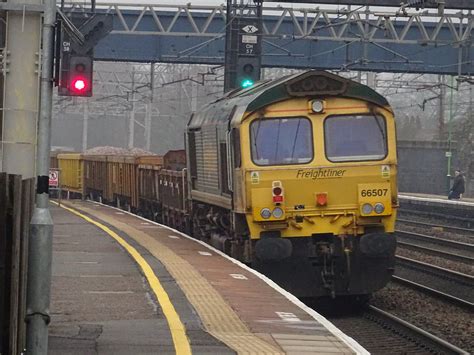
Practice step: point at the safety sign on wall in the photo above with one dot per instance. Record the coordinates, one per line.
(53, 178)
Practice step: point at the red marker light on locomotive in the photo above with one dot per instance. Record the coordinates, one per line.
(277, 192)
(322, 199)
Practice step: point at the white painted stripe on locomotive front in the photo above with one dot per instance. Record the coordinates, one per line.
(351, 343)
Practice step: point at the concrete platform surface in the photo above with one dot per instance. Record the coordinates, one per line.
(105, 298)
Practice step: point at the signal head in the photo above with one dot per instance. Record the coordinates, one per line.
(80, 76)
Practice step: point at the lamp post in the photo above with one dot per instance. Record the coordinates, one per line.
(449, 152)
(40, 245)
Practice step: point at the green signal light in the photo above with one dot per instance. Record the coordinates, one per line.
(246, 83)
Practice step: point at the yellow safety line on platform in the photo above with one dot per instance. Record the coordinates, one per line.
(178, 331)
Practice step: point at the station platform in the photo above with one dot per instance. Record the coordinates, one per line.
(436, 205)
(440, 198)
(125, 285)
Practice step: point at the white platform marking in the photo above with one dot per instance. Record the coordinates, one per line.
(205, 253)
(100, 275)
(239, 276)
(109, 292)
(119, 213)
(173, 237)
(145, 223)
(288, 317)
(84, 262)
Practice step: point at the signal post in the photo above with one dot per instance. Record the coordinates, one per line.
(244, 36)
(75, 80)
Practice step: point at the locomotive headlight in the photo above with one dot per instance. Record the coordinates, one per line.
(277, 212)
(367, 208)
(266, 213)
(317, 106)
(379, 208)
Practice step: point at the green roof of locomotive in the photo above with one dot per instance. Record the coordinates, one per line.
(267, 92)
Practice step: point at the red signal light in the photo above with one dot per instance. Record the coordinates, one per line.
(79, 85)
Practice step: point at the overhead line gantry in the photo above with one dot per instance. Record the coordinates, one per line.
(367, 39)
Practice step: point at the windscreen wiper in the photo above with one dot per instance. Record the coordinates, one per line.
(379, 125)
(296, 136)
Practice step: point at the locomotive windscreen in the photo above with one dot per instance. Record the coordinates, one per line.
(281, 141)
(355, 137)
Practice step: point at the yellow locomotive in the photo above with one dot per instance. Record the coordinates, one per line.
(297, 177)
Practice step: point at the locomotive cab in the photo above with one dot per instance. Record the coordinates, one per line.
(321, 196)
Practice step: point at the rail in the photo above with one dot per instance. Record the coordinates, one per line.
(432, 342)
(456, 284)
(453, 250)
(444, 227)
(430, 291)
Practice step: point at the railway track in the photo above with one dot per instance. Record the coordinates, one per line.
(432, 292)
(444, 227)
(383, 333)
(445, 281)
(448, 220)
(445, 248)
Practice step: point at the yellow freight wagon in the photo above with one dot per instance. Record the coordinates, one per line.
(71, 176)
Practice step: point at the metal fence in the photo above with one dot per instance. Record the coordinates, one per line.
(16, 208)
